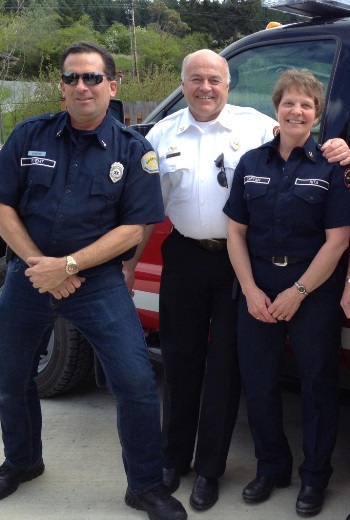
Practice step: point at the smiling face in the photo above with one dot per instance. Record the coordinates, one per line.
(296, 114)
(87, 104)
(205, 84)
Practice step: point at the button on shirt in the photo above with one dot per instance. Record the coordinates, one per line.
(287, 205)
(70, 188)
(187, 149)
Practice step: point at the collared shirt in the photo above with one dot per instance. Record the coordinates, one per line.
(187, 149)
(70, 188)
(288, 205)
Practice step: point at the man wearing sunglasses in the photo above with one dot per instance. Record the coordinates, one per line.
(198, 149)
(77, 189)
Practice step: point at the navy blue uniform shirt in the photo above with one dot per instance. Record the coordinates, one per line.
(287, 205)
(70, 187)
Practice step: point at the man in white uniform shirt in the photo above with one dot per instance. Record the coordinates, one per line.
(198, 149)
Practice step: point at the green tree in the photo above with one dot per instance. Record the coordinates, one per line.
(155, 51)
(54, 44)
(167, 21)
(22, 36)
(157, 86)
(117, 39)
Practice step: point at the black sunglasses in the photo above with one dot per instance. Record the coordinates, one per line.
(219, 163)
(89, 78)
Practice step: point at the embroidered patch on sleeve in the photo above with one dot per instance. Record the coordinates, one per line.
(149, 162)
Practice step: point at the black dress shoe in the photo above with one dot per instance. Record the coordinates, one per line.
(11, 478)
(205, 493)
(158, 503)
(261, 487)
(171, 478)
(309, 501)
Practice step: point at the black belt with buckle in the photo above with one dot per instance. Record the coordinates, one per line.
(282, 261)
(210, 244)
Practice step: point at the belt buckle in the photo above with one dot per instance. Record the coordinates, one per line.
(280, 264)
(211, 244)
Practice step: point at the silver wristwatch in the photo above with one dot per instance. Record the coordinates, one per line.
(301, 289)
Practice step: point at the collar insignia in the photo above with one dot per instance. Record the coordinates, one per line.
(276, 131)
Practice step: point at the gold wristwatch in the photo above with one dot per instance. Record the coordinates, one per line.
(71, 265)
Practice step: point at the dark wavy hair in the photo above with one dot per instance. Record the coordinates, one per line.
(85, 46)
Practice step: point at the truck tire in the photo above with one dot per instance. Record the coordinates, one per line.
(68, 359)
(67, 362)
(3, 268)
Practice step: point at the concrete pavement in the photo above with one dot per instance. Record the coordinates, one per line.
(84, 477)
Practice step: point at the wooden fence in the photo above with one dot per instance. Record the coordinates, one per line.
(134, 112)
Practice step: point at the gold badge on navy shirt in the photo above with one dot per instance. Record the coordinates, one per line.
(149, 162)
(347, 177)
(116, 171)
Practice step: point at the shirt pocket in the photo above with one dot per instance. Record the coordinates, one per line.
(102, 206)
(180, 173)
(39, 182)
(254, 190)
(309, 202)
(311, 193)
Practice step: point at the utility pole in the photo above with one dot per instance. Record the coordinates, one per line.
(131, 17)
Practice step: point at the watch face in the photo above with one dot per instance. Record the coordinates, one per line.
(301, 288)
(72, 268)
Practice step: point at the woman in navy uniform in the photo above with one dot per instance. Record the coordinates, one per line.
(289, 213)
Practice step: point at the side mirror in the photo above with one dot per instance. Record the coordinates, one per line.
(117, 109)
(143, 129)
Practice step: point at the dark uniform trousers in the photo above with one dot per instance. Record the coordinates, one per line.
(314, 333)
(202, 383)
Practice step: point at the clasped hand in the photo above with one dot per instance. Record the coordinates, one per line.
(47, 274)
(283, 307)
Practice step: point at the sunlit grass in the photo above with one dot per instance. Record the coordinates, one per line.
(5, 93)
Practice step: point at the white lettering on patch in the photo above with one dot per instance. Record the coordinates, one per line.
(256, 180)
(318, 183)
(37, 161)
(33, 153)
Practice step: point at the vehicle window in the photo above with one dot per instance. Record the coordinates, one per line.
(254, 72)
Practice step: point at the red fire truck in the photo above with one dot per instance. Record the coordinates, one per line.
(320, 43)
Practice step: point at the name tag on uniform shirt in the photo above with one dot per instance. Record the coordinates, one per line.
(174, 154)
(318, 183)
(37, 161)
(34, 153)
(256, 180)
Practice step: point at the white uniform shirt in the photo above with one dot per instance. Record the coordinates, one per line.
(187, 149)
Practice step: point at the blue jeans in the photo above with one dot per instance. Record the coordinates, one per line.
(104, 312)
